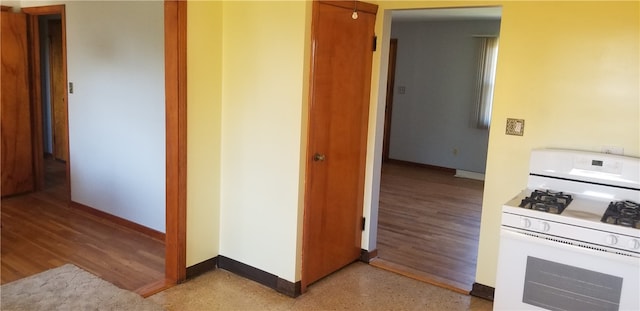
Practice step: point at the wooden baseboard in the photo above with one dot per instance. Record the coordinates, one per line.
(433, 167)
(157, 235)
(202, 268)
(265, 278)
(366, 256)
(482, 291)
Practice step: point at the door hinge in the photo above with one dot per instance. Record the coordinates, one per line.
(364, 222)
(375, 43)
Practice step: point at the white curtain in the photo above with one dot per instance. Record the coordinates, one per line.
(486, 73)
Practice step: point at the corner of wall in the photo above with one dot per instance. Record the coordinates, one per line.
(304, 126)
(204, 96)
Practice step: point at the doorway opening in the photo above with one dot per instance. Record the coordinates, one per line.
(434, 151)
(54, 111)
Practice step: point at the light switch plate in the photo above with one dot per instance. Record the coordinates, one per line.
(515, 127)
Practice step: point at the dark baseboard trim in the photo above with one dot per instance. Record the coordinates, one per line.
(202, 267)
(157, 235)
(433, 167)
(366, 256)
(290, 289)
(265, 278)
(482, 291)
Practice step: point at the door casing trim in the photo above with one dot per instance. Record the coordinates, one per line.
(175, 21)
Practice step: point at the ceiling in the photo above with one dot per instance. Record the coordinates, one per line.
(485, 13)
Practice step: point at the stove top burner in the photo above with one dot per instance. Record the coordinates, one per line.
(623, 213)
(547, 201)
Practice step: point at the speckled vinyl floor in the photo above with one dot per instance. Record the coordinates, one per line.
(356, 287)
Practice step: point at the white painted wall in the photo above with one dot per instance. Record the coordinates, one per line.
(436, 64)
(115, 58)
(116, 113)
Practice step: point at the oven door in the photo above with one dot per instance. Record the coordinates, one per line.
(538, 273)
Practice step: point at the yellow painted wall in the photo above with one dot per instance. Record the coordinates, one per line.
(247, 75)
(247, 80)
(570, 69)
(580, 62)
(204, 112)
(265, 64)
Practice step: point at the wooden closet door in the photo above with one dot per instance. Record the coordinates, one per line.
(16, 149)
(338, 123)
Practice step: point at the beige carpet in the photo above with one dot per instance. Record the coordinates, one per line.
(69, 288)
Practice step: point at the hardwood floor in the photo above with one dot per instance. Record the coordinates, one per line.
(40, 232)
(428, 225)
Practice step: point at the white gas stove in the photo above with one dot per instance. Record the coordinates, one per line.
(571, 240)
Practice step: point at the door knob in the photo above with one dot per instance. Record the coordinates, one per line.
(318, 157)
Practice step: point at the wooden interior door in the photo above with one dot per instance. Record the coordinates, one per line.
(338, 122)
(58, 91)
(16, 149)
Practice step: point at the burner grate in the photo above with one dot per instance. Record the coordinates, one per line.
(623, 213)
(547, 201)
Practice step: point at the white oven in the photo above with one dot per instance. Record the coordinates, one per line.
(543, 272)
(561, 246)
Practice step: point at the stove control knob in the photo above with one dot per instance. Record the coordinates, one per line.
(525, 223)
(634, 244)
(544, 226)
(611, 239)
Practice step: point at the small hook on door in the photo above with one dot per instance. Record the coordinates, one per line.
(318, 157)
